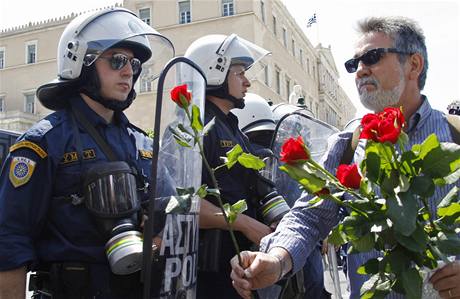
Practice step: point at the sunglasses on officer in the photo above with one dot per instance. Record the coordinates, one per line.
(118, 61)
(369, 58)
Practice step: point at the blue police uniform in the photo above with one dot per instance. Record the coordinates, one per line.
(234, 185)
(39, 224)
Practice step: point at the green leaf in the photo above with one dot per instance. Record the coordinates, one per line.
(408, 166)
(416, 242)
(240, 206)
(232, 156)
(412, 283)
(422, 186)
(197, 125)
(202, 192)
(337, 237)
(442, 161)
(449, 198)
(309, 182)
(250, 161)
(185, 191)
(183, 129)
(448, 243)
(209, 126)
(370, 267)
(229, 214)
(452, 209)
(365, 243)
(355, 226)
(397, 260)
(402, 210)
(430, 143)
(373, 167)
(375, 288)
(181, 142)
(232, 211)
(389, 182)
(213, 192)
(179, 204)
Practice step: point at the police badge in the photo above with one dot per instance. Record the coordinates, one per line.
(21, 170)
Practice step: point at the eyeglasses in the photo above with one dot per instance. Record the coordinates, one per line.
(370, 57)
(118, 61)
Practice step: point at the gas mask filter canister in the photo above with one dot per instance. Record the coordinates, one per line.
(111, 197)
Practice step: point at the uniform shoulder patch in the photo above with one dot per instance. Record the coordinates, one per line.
(30, 145)
(146, 154)
(21, 170)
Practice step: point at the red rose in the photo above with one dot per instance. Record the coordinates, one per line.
(179, 92)
(348, 175)
(294, 151)
(383, 126)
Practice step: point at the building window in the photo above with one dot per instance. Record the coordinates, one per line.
(31, 52)
(285, 37)
(145, 83)
(274, 26)
(2, 57)
(144, 15)
(288, 88)
(278, 80)
(301, 57)
(266, 75)
(29, 105)
(293, 47)
(308, 66)
(2, 104)
(227, 8)
(184, 12)
(262, 10)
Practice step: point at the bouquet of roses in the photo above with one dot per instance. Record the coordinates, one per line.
(389, 202)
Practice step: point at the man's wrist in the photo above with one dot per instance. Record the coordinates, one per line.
(284, 260)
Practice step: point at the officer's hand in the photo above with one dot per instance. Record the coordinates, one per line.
(259, 270)
(251, 228)
(447, 280)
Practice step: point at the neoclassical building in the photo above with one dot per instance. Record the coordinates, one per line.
(28, 57)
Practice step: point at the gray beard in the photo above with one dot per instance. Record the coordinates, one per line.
(379, 99)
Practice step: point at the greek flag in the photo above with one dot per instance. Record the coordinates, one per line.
(311, 20)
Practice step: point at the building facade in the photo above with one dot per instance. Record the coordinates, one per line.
(28, 57)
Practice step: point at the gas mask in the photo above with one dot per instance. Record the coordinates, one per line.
(111, 197)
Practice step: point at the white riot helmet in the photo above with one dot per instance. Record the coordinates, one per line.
(87, 36)
(256, 115)
(214, 54)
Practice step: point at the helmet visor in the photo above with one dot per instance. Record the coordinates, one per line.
(123, 29)
(243, 52)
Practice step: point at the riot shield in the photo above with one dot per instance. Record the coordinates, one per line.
(171, 229)
(297, 122)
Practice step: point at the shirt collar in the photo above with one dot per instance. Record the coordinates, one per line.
(230, 117)
(94, 118)
(420, 116)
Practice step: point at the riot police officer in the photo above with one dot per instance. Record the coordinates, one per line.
(225, 61)
(72, 186)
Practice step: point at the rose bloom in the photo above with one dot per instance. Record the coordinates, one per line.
(294, 151)
(383, 126)
(348, 175)
(180, 90)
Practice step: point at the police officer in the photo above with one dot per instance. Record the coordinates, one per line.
(59, 205)
(225, 60)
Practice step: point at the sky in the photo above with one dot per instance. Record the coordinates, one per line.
(335, 27)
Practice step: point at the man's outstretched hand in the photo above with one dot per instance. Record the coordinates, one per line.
(258, 270)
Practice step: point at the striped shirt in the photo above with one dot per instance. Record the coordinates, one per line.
(300, 230)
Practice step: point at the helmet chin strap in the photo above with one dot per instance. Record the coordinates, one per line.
(92, 88)
(222, 92)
